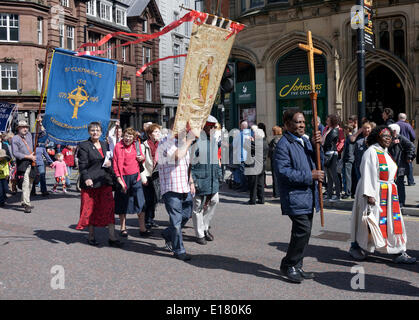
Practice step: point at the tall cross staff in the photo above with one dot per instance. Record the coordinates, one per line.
(313, 96)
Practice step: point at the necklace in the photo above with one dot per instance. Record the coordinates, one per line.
(129, 149)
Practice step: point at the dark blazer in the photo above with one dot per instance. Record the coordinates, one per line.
(90, 165)
(401, 152)
(293, 164)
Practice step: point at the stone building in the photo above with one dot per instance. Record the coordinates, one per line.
(272, 73)
(27, 27)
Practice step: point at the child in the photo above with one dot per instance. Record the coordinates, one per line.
(4, 174)
(348, 158)
(60, 172)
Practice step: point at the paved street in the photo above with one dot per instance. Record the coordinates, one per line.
(242, 263)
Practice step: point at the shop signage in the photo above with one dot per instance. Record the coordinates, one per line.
(246, 92)
(298, 86)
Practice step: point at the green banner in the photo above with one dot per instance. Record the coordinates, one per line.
(246, 92)
(298, 87)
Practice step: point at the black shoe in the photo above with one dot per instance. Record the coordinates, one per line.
(154, 225)
(45, 194)
(30, 206)
(168, 242)
(292, 274)
(202, 241)
(115, 243)
(209, 236)
(345, 196)
(146, 233)
(124, 233)
(250, 202)
(183, 257)
(92, 242)
(411, 184)
(260, 202)
(28, 209)
(306, 275)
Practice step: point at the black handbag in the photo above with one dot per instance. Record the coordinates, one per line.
(155, 181)
(34, 175)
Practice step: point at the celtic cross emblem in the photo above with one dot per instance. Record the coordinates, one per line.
(77, 98)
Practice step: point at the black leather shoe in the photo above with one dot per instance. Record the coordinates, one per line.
(183, 257)
(209, 236)
(115, 243)
(92, 242)
(250, 202)
(146, 233)
(28, 209)
(202, 241)
(306, 275)
(45, 194)
(260, 202)
(292, 274)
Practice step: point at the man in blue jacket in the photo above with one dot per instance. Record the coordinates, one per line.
(297, 179)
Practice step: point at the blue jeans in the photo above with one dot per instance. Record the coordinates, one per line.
(179, 208)
(67, 178)
(410, 179)
(4, 187)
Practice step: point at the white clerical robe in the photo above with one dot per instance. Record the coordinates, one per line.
(369, 186)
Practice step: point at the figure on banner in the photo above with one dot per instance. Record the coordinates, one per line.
(204, 74)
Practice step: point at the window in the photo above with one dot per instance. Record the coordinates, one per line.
(8, 74)
(40, 74)
(70, 38)
(65, 3)
(105, 11)
(392, 35)
(146, 55)
(121, 17)
(91, 8)
(145, 24)
(176, 83)
(9, 27)
(40, 23)
(256, 3)
(243, 5)
(148, 91)
(124, 53)
(176, 18)
(187, 29)
(108, 50)
(176, 52)
(61, 27)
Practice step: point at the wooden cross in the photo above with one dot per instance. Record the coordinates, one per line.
(313, 96)
(310, 55)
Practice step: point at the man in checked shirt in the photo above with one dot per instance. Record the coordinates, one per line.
(176, 186)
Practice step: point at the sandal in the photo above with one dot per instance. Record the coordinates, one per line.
(124, 233)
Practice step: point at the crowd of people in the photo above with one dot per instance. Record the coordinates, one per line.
(130, 172)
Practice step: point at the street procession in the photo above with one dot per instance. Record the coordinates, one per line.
(209, 150)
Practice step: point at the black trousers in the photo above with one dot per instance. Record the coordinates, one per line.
(257, 187)
(300, 235)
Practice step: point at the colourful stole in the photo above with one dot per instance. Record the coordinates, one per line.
(395, 206)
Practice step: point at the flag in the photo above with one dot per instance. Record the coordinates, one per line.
(80, 91)
(5, 112)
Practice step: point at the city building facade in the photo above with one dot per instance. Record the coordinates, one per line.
(28, 27)
(272, 73)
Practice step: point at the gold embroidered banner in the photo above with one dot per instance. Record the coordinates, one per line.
(208, 53)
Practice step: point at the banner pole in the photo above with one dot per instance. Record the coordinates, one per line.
(41, 98)
(119, 103)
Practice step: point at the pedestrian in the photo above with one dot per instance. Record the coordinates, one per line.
(387, 116)
(361, 147)
(206, 174)
(68, 153)
(348, 158)
(177, 186)
(330, 146)
(129, 195)
(403, 153)
(240, 155)
(150, 174)
(277, 133)
(297, 180)
(353, 122)
(22, 148)
(4, 175)
(7, 142)
(407, 131)
(114, 136)
(97, 207)
(376, 196)
(60, 172)
(42, 156)
(257, 151)
(143, 134)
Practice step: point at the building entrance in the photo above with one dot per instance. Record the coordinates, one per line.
(383, 90)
